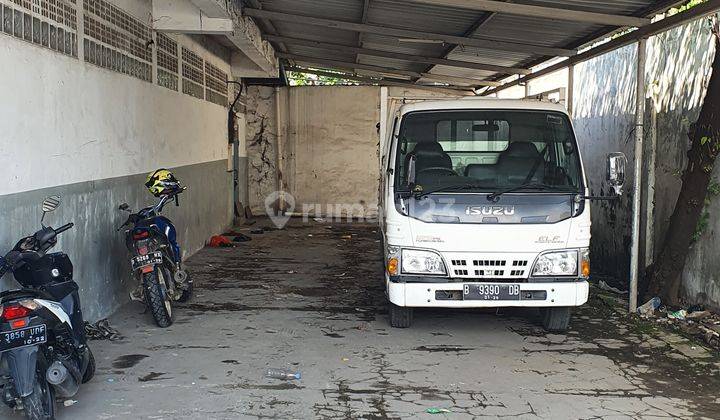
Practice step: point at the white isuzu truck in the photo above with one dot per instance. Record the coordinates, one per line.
(484, 203)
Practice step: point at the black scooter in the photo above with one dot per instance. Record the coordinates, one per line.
(43, 349)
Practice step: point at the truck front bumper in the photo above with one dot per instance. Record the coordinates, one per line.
(450, 295)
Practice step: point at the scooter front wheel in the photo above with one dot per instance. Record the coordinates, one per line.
(156, 294)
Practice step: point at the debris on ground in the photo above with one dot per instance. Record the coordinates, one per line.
(282, 374)
(603, 285)
(68, 403)
(319, 219)
(697, 315)
(681, 314)
(649, 307)
(435, 410)
(258, 231)
(101, 330)
(694, 321)
(346, 237)
(219, 241)
(241, 238)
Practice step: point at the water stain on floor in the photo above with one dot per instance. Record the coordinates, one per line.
(127, 361)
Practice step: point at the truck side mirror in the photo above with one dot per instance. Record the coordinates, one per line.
(616, 163)
(411, 171)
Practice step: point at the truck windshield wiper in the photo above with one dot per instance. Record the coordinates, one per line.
(455, 187)
(530, 185)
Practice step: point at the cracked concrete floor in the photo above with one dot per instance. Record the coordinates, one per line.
(310, 298)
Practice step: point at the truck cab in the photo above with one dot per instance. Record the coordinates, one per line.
(484, 203)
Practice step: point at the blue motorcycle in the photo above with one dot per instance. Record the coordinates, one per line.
(156, 259)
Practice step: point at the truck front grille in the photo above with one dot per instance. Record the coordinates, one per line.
(493, 266)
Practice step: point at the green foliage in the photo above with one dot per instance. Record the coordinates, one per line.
(690, 4)
(705, 140)
(306, 79)
(714, 189)
(701, 226)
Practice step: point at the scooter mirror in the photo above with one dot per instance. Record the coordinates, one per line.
(50, 204)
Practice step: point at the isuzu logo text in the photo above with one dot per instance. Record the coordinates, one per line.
(490, 210)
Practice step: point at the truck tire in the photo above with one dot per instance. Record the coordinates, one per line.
(400, 316)
(158, 300)
(555, 319)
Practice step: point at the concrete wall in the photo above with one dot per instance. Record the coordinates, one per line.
(332, 149)
(261, 134)
(328, 147)
(677, 71)
(91, 136)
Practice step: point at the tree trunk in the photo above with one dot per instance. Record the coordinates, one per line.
(664, 275)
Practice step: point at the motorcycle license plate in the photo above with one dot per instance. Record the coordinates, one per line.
(144, 260)
(23, 337)
(491, 292)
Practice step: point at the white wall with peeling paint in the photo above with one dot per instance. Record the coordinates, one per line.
(328, 144)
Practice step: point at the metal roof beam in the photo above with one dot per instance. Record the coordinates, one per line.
(472, 30)
(670, 22)
(268, 24)
(478, 42)
(363, 19)
(398, 56)
(541, 11)
(326, 62)
(446, 78)
(348, 65)
(382, 81)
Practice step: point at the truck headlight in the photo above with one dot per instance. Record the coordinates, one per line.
(421, 262)
(556, 263)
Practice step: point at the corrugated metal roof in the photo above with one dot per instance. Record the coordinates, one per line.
(422, 17)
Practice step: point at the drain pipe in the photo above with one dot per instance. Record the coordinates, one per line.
(637, 181)
(235, 141)
(278, 149)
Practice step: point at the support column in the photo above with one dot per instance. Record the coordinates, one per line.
(650, 189)
(570, 90)
(637, 180)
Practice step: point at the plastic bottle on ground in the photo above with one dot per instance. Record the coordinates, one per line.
(282, 374)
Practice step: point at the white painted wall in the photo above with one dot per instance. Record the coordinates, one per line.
(64, 121)
(331, 149)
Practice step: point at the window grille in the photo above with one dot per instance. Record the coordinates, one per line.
(48, 23)
(192, 71)
(216, 87)
(117, 41)
(167, 61)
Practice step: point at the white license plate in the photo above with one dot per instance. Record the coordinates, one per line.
(144, 260)
(491, 291)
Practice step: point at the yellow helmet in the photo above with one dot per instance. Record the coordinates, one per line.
(162, 182)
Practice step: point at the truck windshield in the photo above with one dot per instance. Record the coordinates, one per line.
(489, 150)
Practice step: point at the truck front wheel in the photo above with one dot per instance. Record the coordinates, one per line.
(400, 316)
(555, 319)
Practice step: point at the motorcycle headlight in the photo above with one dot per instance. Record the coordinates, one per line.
(421, 262)
(557, 263)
